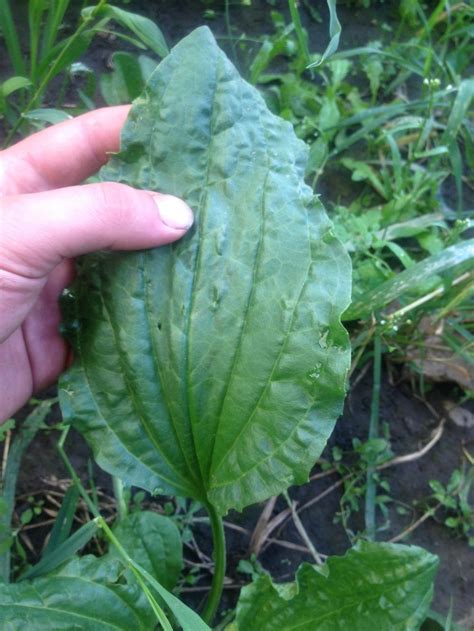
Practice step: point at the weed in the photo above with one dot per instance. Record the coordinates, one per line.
(453, 498)
(54, 58)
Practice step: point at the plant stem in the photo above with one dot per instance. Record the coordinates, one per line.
(139, 574)
(218, 539)
(122, 506)
(370, 493)
(301, 530)
(11, 469)
(300, 34)
(229, 32)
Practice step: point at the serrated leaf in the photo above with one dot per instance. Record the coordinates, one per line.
(152, 541)
(215, 367)
(374, 586)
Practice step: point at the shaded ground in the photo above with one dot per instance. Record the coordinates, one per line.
(411, 425)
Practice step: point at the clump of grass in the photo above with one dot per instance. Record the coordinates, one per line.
(390, 121)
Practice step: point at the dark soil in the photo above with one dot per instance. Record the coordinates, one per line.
(410, 425)
(410, 421)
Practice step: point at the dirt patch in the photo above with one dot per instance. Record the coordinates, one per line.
(410, 425)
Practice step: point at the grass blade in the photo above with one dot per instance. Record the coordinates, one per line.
(409, 279)
(458, 111)
(145, 29)
(63, 552)
(300, 32)
(63, 523)
(19, 445)
(52, 26)
(334, 33)
(12, 42)
(35, 15)
(371, 488)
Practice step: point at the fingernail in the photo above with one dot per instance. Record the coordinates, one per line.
(174, 213)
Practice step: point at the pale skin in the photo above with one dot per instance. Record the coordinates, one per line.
(46, 219)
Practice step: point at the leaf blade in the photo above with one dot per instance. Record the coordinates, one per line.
(242, 291)
(376, 586)
(153, 541)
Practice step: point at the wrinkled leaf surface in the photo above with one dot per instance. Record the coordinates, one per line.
(383, 587)
(212, 368)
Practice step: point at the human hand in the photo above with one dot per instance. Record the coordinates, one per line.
(46, 219)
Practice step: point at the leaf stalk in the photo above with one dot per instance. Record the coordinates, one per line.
(371, 488)
(218, 539)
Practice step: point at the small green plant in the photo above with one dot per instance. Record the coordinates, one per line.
(52, 57)
(453, 499)
(353, 467)
(406, 237)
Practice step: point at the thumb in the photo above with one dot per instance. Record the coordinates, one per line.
(40, 229)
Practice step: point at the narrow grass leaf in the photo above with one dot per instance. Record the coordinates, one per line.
(13, 84)
(47, 115)
(20, 443)
(53, 25)
(12, 41)
(127, 78)
(144, 28)
(334, 33)
(458, 111)
(187, 618)
(63, 522)
(301, 34)
(407, 280)
(396, 161)
(63, 552)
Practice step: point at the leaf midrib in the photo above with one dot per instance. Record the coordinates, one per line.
(197, 265)
(243, 329)
(157, 365)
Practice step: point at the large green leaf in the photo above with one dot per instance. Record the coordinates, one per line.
(382, 587)
(86, 594)
(213, 368)
(153, 541)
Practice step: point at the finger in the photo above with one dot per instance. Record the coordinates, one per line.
(14, 391)
(32, 358)
(47, 350)
(38, 230)
(67, 153)
(41, 229)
